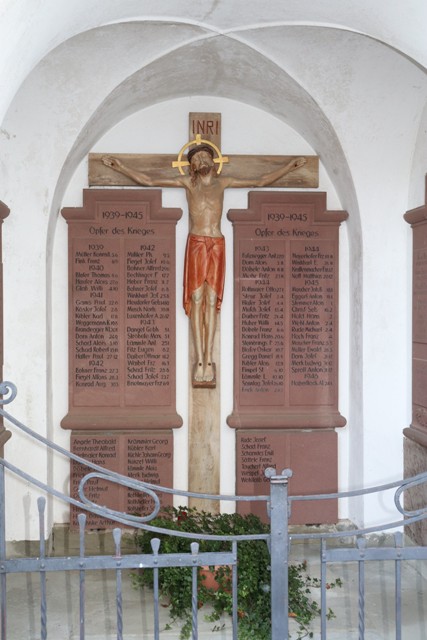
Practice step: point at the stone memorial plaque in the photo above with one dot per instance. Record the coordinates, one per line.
(146, 457)
(418, 220)
(415, 442)
(286, 312)
(312, 456)
(122, 311)
(419, 328)
(4, 212)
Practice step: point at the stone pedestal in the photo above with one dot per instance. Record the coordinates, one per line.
(415, 461)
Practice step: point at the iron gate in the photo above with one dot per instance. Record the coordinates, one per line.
(279, 539)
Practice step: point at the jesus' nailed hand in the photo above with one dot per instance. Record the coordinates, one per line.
(204, 270)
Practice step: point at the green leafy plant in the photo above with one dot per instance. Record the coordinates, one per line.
(253, 598)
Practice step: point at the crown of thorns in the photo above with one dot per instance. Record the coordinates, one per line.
(200, 147)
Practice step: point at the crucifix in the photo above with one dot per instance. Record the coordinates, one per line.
(204, 184)
(205, 253)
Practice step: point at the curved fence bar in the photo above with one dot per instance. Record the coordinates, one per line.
(410, 483)
(9, 391)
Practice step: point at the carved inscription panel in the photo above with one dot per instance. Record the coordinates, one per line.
(146, 457)
(420, 286)
(286, 312)
(312, 456)
(122, 311)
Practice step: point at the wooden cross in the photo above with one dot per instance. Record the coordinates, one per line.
(204, 403)
(208, 126)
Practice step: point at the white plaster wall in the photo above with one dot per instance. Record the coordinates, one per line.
(29, 30)
(341, 95)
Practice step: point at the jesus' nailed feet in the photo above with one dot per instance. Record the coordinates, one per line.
(204, 375)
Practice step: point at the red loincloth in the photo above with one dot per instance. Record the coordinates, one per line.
(204, 262)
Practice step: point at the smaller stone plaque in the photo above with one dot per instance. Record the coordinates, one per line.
(102, 450)
(147, 457)
(312, 456)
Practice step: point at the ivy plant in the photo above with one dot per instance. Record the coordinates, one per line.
(253, 562)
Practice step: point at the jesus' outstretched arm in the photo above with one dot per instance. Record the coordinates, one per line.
(268, 178)
(140, 177)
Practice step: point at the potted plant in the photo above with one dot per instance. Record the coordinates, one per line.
(253, 574)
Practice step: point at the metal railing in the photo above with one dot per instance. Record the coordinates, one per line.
(279, 540)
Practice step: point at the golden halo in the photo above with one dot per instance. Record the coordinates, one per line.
(180, 163)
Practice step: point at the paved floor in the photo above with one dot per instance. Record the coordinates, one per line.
(23, 602)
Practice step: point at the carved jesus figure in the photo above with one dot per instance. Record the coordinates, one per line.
(204, 269)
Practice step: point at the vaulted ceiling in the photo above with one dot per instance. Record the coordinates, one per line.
(29, 30)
